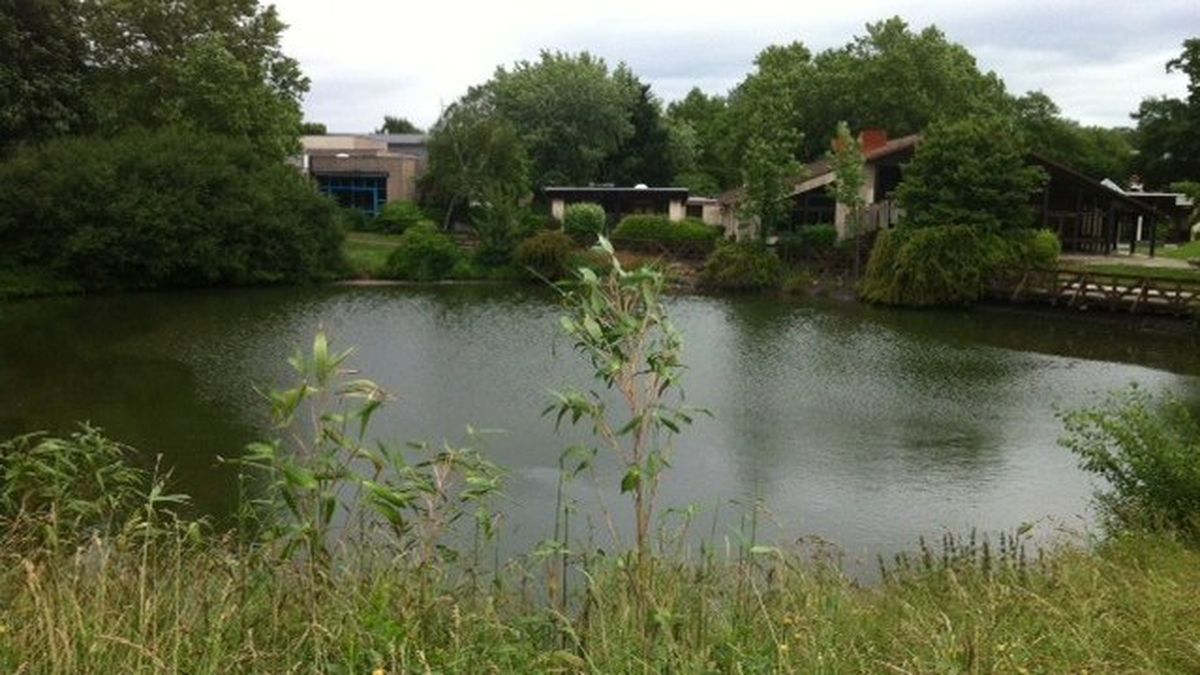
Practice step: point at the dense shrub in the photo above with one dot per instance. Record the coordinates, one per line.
(809, 242)
(423, 254)
(1148, 453)
(498, 228)
(547, 254)
(742, 266)
(164, 208)
(947, 265)
(688, 232)
(396, 217)
(584, 221)
(971, 171)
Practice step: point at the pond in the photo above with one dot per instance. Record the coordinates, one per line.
(863, 427)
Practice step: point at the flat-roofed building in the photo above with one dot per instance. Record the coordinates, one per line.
(364, 171)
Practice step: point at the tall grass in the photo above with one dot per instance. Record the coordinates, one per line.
(363, 558)
(182, 603)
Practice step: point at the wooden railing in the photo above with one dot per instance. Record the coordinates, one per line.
(1114, 292)
(881, 216)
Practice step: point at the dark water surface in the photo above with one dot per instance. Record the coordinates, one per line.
(861, 426)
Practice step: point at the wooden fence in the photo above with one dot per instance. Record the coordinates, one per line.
(1114, 292)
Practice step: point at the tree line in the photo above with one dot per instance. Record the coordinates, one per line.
(574, 120)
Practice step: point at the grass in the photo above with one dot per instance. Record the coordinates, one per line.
(1182, 251)
(1163, 273)
(180, 604)
(367, 253)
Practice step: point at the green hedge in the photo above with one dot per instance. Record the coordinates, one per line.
(171, 207)
(742, 266)
(689, 233)
(423, 254)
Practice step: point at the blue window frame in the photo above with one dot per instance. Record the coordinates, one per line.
(366, 193)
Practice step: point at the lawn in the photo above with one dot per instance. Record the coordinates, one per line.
(1182, 252)
(366, 253)
(1162, 273)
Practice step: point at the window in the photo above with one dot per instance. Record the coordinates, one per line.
(365, 193)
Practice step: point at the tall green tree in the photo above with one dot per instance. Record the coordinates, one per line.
(570, 111)
(769, 171)
(213, 65)
(1168, 129)
(648, 155)
(42, 70)
(846, 159)
(1098, 152)
(892, 77)
(398, 125)
(970, 172)
(707, 121)
(475, 156)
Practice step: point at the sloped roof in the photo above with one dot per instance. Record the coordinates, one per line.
(821, 167)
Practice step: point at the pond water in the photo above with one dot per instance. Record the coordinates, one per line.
(864, 427)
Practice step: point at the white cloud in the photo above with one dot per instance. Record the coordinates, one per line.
(371, 57)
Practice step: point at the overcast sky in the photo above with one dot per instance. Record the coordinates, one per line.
(1097, 59)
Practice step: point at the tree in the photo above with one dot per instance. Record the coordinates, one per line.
(892, 78)
(313, 129)
(398, 125)
(214, 65)
(570, 112)
(169, 207)
(1168, 129)
(1098, 152)
(43, 70)
(769, 171)
(647, 155)
(474, 156)
(707, 119)
(970, 172)
(846, 159)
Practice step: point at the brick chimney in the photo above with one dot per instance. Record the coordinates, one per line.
(872, 139)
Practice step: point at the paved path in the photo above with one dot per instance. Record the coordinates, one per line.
(1138, 259)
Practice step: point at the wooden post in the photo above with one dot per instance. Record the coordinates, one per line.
(1153, 234)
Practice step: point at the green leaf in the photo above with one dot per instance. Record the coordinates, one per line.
(632, 479)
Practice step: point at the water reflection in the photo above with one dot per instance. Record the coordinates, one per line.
(867, 427)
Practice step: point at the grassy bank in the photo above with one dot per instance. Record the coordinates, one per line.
(183, 604)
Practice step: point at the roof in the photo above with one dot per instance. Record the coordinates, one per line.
(1121, 196)
(821, 167)
(600, 189)
(892, 147)
(400, 139)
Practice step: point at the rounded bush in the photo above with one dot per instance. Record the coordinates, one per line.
(584, 221)
(741, 266)
(546, 254)
(423, 254)
(396, 217)
(688, 232)
(1039, 250)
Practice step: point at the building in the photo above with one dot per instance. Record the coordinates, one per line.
(1087, 215)
(364, 171)
(618, 202)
